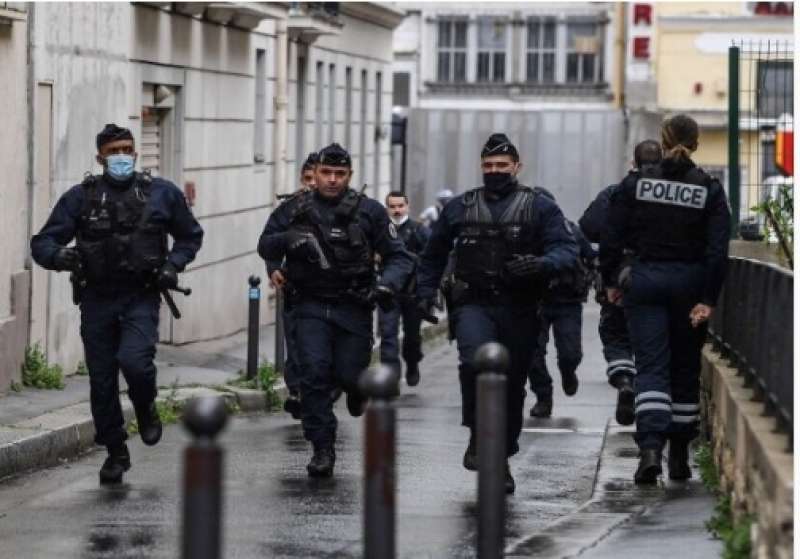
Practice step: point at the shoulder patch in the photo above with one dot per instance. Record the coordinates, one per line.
(672, 193)
(392, 230)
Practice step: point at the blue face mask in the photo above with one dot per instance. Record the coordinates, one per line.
(120, 166)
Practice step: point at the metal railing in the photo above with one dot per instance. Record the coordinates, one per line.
(752, 326)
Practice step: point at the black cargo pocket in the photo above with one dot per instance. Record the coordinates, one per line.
(147, 248)
(95, 260)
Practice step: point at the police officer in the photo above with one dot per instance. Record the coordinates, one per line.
(675, 219)
(329, 238)
(430, 214)
(291, 371)
(506, 239)
(415, 236)
(121, 220)
(613, 328)
(562, 310)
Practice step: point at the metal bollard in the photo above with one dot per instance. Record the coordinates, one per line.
(254, 297)
(280, 334)
(202, 479)
(381, 385)
(491, 360)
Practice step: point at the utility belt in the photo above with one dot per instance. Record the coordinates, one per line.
(359, 296)
(458, 292)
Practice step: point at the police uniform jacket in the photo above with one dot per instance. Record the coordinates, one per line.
(673, 211)
(166, 207)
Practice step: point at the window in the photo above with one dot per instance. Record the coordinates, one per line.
(491, 50)
(348, 105)
(331, 103)
(362, 140)
(300, 119)
(401, 89)
(584, 53)
(319, 114)
(376, 152)
(452, 51)
(261, 106)
(541, 54)
(775, 94)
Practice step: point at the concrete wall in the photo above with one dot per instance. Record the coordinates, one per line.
(14, 204)
(756, 469)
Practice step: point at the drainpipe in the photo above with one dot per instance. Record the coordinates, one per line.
(31, 88)
(281, 108)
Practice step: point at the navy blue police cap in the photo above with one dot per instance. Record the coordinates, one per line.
(334, 155)
(499, 144)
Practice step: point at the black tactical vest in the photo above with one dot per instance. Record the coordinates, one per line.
(116, 239)
(669, 216)
(349, 254)
(483, 246)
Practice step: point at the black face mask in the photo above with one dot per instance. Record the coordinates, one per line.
(499, 183)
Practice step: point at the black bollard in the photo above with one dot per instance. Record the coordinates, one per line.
(491, 361)
(254, 297)
(381, 385)
(280, 342)
(204, 418)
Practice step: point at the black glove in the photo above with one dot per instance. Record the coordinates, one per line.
(425, 309)
(68, 259)
(523, 266)
(167, 276)
(297, 244)
(383, 296)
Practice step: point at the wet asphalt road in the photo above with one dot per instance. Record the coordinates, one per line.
(273, 510)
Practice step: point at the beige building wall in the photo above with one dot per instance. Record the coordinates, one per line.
(14, 204)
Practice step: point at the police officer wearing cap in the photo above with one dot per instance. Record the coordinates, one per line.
(562, 311)
(329, 238)
(121, 221)
(613, 328)
(674, 217)
(507, 241)
(415, 236)
(291, 371)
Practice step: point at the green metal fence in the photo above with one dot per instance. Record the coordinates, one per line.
(760, 127)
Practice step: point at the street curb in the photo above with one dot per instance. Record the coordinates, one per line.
(615, 501)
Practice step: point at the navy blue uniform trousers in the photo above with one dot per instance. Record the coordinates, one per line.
(667, 349)
(291, 370)
(617, 350)
(512, 326)
(565, 319)
(119, 329)
(334, 345)
(389, 325)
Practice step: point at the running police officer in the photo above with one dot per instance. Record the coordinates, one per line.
(613, 328)
(676, 220)
(121, 220)
(291, 372)
(329, 238)
(415, 236)
(506, 240)
(562, 309)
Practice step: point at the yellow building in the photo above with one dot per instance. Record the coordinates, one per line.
(678, 63)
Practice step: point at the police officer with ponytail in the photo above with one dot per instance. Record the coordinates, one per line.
(121, 221)
(675, 220)
(508, 241)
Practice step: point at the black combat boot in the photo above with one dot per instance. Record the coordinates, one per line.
(678, 460)
(511, 486)
(149, 423)
(471, 454)
(117, 463)
(543, 407)
(569, 382)
(626, 401)
(355, 403)
(292, 405)
(321, 464)
(649, 467)
(412, 374)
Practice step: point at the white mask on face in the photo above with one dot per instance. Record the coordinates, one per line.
(398, 221)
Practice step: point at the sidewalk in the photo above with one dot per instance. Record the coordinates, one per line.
(40, 428)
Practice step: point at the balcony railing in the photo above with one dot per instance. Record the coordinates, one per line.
(752, 326)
